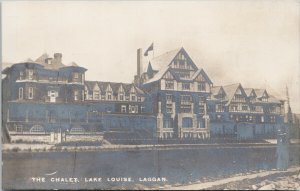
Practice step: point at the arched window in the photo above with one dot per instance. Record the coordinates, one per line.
(37, 129)
(20, 93)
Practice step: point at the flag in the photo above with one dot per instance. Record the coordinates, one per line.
(149, 49)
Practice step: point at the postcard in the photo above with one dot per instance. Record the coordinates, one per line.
(143, 95)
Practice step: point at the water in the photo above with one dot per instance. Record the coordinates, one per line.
(177, 166)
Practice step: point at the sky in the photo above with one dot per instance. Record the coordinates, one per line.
(255, 43)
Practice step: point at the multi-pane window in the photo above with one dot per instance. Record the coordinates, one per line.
(187, 122)
(186, 109)
(167, 123)
(186, 99)
(185, 86)
(76, 75)
(109, 97)
(272, 119)
(201, 87)
(169, 98)
(245, 108)
(133, 109)
(123, 108)
(169, 108)
(30, 93)
(219, 108)
(21, 75)
(30, 74)
(239, 97)
(76, 93)
(264, 99)
(96, 95)
(121, 97)
(139, 98)
(20, 93)
(133, 98)
(202, 105)
(169, 85)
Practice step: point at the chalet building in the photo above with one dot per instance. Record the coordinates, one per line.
(187, 104)
(180, 90)
(171, 98)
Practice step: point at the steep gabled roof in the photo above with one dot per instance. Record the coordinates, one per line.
(201, 71)
(164, 60)
(215, 90)
(248, 91)
(114, 86)
(230, 90)
(90, 85)
(260, 92)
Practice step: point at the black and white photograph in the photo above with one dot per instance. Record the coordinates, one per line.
(150, 95)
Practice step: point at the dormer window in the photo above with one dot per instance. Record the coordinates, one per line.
(76, 75)
(30, 74)
(21, 75)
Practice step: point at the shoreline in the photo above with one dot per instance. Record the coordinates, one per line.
(13, 148)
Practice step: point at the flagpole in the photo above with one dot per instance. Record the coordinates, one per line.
(153, 50)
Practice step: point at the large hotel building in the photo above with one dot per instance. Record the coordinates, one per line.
(172, 98)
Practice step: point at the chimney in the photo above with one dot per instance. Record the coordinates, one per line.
(57, 57)
(139, 62)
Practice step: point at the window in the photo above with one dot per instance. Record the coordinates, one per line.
(20, 93)
(187, 122)
(21, 75)
(262, 119)
(30, 74)
(75, 95)
(121, 97)
(30, 93)
(108, 96)
(76, 75)
(272, 119)
(185, 86)
(169, 98)
(264, 99)
(77, 130)
(123, 108)
(169, 108)
(245, 108)
(186, 100)
(169, 85)
(142, 109)
(139, 99)
(96, 95)
(18, 128)
(133, 98)
(167, 123)
(201, 124)
(202, 87)
(219, 108)
(133, 109)
(186, 109)
(37, 129)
